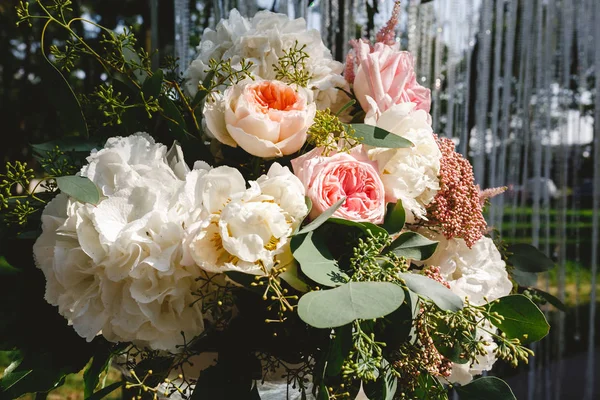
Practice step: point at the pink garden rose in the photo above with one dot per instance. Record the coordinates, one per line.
(265, 118)
(353, 176)
(385, 77)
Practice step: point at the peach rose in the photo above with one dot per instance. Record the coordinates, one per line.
(265, 118)
(386, 77)
(353, 176)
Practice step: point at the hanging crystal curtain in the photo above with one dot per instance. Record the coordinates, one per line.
(514, 83)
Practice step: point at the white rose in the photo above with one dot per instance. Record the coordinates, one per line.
(115, 269)
(408, 174)
(263, 40)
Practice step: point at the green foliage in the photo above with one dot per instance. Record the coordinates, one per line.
(322, 218)
(316, 260)
(80, 188)
(487, 387)
(520, 319)
(443, 297)
(527, 258)
(414, 246)
(395, 217)
(386, 384)
(349, 302)
(379, 137)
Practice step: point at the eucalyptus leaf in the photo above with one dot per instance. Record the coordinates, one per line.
(526, 279)
(339, 348)
(385, 386)
(344, 304)
(553, 300)
(527, 258)
(398, 327)
(414, 246)
(99, 364)
(379, 137)
(364, 226)
(321, 219)
(176, 123)
(395, 217)
(153, 85)
(80, 188)
(102, 393)
(75, 145)
(134, 60)
(316, 261)
(488, 388)
(203, 92)
(13, 375)
(6, 268)
(443, 297)
(522, 319)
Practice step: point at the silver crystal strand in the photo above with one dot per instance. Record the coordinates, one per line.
(496, 106)
(483, 79)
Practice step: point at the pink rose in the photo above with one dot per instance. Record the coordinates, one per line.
(353, 176)
(265, 118)
(386, 77)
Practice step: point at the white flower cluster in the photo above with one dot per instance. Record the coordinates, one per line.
(479, 274)
(262, 40)
(123, 268)
(408, 174)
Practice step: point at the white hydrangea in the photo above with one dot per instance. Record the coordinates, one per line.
(478, 273)
(115, 269)
(247, 230)
(263, 40)
(408, 174)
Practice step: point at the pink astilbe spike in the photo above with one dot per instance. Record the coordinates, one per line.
(387, 34)
(487, 194)
(349, 70)
(354, 56)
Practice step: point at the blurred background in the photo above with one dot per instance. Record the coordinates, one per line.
(514, 83)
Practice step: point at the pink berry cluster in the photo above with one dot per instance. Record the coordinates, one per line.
(457, 206)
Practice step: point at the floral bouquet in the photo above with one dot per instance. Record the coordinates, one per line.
(304, 235)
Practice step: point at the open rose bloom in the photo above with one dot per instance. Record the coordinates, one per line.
(265, 118)
(328, 179)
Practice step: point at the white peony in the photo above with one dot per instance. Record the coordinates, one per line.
(249, 230)
(408, 174)
(263, 40)
(115, 269)
(476, 273)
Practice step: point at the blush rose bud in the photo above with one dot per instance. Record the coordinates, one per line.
(386, 77)
(265, 118)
